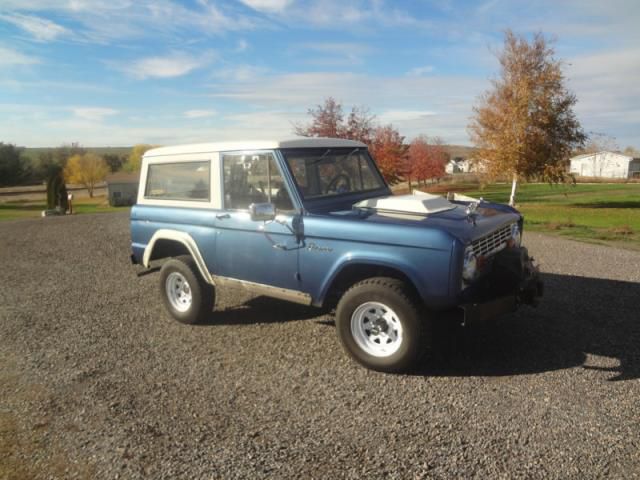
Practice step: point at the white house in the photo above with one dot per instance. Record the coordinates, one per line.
(605, 165)
(458, 165)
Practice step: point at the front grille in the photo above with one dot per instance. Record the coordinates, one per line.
(492, 243)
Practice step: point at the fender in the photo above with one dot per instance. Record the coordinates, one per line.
(382, 261)
(186, 240)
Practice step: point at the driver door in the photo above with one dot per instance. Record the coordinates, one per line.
(255, 251)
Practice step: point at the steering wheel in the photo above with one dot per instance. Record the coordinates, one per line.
(334, 183)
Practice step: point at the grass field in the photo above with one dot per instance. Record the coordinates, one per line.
(601, 213)
(28, 208)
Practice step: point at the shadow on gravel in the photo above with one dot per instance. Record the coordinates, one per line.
(577, 317)
(262, 310)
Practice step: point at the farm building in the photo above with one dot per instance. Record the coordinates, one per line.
(122, 188)
(605, 165)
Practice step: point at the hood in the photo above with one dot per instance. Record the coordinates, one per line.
(419, 203)
(434, 212)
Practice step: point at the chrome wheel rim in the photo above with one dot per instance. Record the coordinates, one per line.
(376, 329)
(178, 292)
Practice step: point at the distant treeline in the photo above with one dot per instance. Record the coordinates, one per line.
(33, 166)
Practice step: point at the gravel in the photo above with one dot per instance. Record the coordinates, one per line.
(98, 382)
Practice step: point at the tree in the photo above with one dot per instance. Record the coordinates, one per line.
(52, 162)
(328, 121)
(57, 191)
(598, 142)
(88, 170)
(390, 153)
(134, 162)
(427, 158)
(360, 125)
(13, 169)
(631, 151)
(525, 126)
(114, 161)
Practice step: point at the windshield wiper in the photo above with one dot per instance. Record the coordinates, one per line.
(323, 155)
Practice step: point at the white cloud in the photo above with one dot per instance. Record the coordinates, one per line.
(240, 73)
(9, 56)
(334, 53)
(42, 29)
(395, 116)
(267, 5)
(606, 85)
(199, 113)
(104, 22)
(359, 14)
(433, 105)
(242, 45)
(175, 64)
(94, 114)
(420, 71)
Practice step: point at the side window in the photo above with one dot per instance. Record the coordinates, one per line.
(253, 178)
(178, 181)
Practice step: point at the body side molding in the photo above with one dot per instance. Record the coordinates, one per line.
(295, 296)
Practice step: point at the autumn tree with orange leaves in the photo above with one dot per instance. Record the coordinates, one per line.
(390, 153)
(525, 127)
(427, 159)
(385, 142)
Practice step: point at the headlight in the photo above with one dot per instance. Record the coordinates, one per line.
(516, 237)
(470, 265)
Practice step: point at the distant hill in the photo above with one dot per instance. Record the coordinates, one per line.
(32, 153)
(459, 151)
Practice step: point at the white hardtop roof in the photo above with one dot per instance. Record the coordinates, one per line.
(300, 142)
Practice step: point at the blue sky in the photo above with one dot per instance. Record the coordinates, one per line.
(121, 72)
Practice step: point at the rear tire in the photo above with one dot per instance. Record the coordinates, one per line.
(379, 324)
(185, 294)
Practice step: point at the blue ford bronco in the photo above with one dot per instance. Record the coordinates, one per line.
(311, 220)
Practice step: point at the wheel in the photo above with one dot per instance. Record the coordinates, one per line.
(379, 324)
(186, 296)
(333, 184)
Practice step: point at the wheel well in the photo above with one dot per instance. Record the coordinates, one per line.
(355, 273)
(164, 248)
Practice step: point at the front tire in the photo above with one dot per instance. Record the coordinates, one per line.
(380, 326)
(186, 296)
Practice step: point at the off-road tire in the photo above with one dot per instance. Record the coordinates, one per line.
(400, 299)
(202, 293)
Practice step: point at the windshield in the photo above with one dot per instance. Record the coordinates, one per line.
(321, 172)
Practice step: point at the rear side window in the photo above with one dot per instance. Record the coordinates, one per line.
(179, 181)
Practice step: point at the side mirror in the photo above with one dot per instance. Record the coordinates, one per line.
(262, 212)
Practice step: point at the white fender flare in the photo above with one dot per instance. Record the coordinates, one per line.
(186, 240)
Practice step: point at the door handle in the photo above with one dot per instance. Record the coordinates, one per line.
(223, 216)
(280, 246)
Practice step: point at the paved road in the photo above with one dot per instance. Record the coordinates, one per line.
(98, 382)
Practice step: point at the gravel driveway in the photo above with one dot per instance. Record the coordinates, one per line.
(98, 382)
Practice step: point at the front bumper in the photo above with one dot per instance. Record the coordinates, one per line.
(514, 280)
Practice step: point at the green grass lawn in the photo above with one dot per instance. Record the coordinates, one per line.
(29, 209)
(602, 213)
